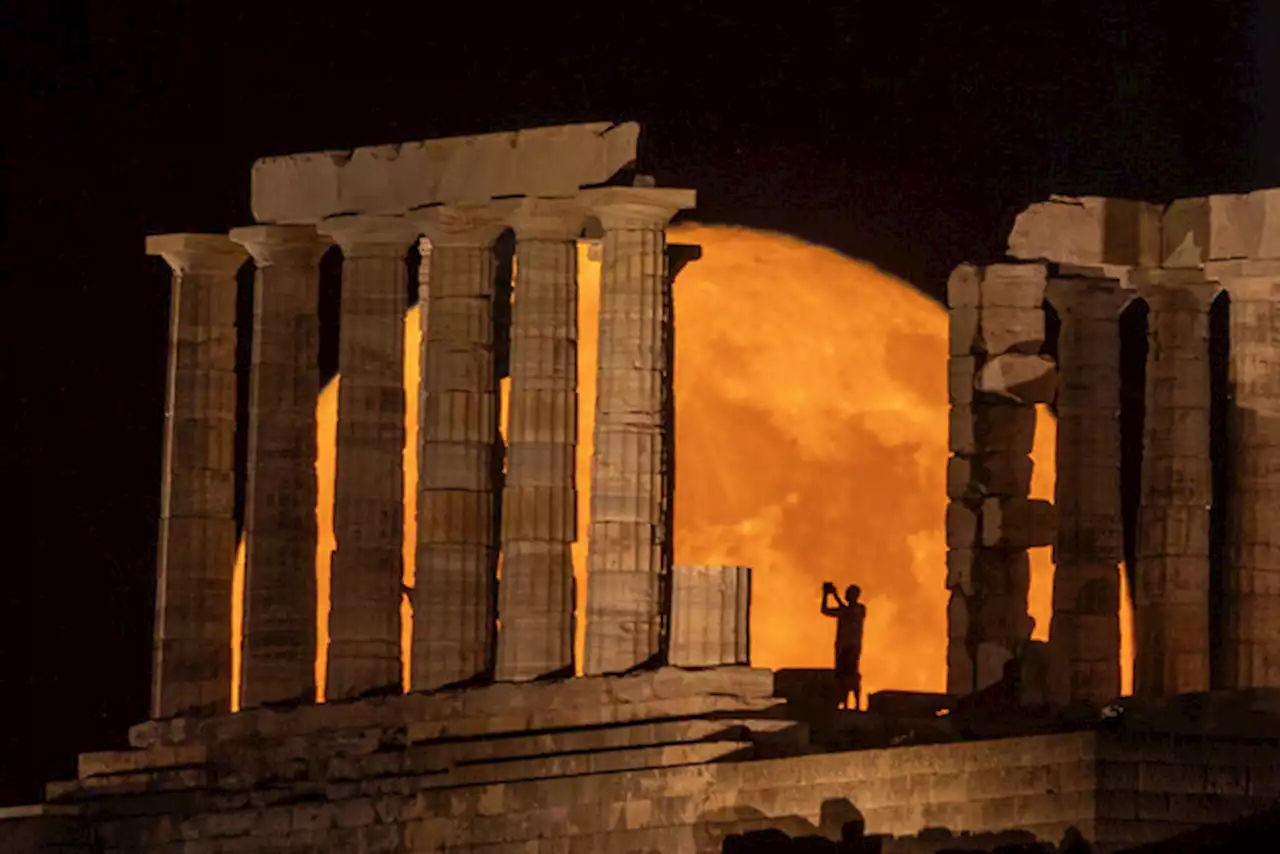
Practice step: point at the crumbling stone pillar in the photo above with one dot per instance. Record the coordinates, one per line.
(453, 597)
(539, 501)
(628, 573)
(1252, 570)
(192, 649)
(1171, 595)
(280, 505)
(710, 616)
(368, 513)
(996, 378)
(1084, 637)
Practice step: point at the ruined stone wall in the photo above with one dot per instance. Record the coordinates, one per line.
(1177, 259)
(996, 377)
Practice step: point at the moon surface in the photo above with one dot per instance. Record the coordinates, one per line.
(811, 429)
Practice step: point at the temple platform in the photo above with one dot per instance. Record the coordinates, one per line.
(670, 760)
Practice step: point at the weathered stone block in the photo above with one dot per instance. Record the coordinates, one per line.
(1013, 286)
(548, 161)
(1185, 240)
(1088, 230)
(961, 371)
(963, 525)
(1011, 329)
(963, 331)
(1019, 523)
(989, 427)
(964, 287)
(972, 477)
(710, 615)
(1019, 377)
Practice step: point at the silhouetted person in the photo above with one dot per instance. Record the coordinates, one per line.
(850, 615)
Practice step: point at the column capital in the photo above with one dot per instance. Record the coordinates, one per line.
(282, 245)
(1160, 286)
(368, 235)
(476, 226)
(1096, 297)
(548, 219)
(202, 253)
(637, 207)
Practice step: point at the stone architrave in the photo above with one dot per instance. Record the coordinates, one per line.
(368, 513)
(453, 596)
(539, 502)
(461, 170)
(1252, 571)
(1084, 636)
(1171, 589)
(192, 647)
(280, 515)
(710, 616)
(627, 548)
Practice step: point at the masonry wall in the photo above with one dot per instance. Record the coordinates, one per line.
(1113, 791)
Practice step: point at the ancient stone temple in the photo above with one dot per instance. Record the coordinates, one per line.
(670, 740)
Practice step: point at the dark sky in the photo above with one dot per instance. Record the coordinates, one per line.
(893, 131)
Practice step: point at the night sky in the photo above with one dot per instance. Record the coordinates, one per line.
(894, 132)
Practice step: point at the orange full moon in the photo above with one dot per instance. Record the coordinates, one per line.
(811, 427)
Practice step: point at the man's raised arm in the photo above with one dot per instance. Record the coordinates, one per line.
(829, 590)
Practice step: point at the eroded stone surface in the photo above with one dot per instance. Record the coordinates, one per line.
(366, 573)
(627, 548)
(710, 616)
(539, 518)
(996, 375)
(192, 647)
(1252, 571)
(1088, 230)
(1171, 596)
(457, 550)
(1085, 631)
(280, 517)
(392, 179)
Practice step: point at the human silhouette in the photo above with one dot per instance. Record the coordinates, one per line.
(850, 615)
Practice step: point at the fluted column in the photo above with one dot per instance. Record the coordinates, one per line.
(1084, 636)
(453, 597)
(368, 512)
(1252, 570)
(627, 554)
(191, 669)
(539, 500)
(1171, 596)
(280, 503)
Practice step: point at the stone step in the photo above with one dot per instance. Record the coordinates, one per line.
(427, 765)
(522, 722)
(560, 698)
(122, 761)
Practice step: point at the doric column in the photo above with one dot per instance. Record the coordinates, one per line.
(192, 652)
(539, 500)
(368, 512)
(1252, 571)
(1171, 595)
(453, 596)
(627, 546)
(280, 504)
(1084, 636)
